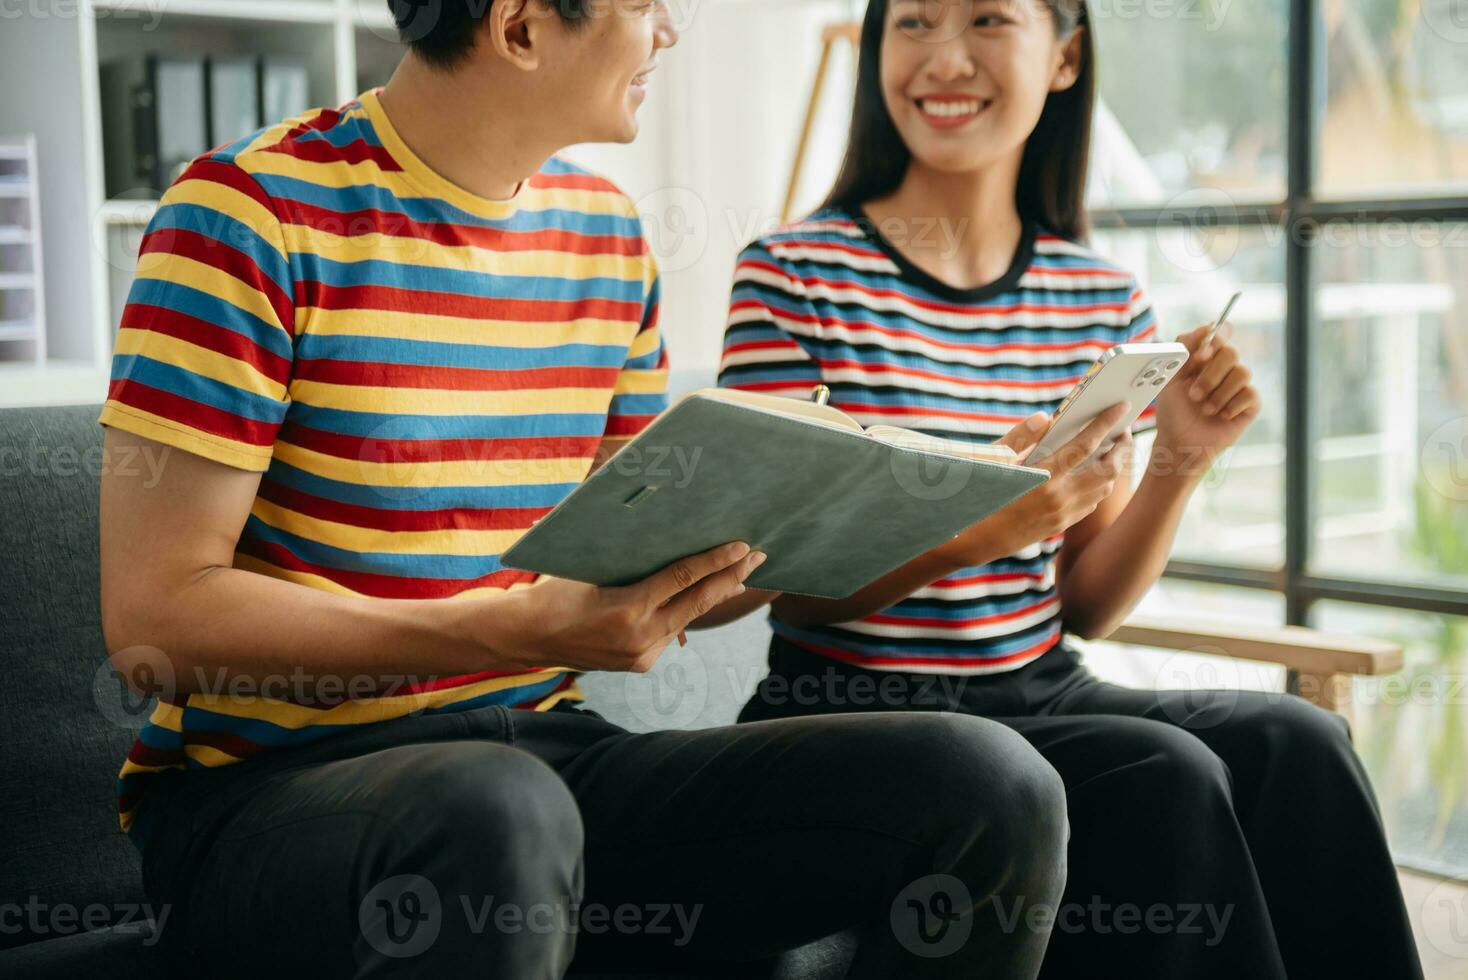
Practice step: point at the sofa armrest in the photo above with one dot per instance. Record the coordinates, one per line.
(1320, 665)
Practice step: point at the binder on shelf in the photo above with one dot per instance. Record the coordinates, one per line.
(285, 89)
(155, 120)
(233, 98)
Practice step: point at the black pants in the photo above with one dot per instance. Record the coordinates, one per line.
(495, 843)
(1213, 833)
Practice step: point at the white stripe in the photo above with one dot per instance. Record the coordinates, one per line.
(982, 632)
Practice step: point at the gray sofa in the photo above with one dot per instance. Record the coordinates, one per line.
(71, 902)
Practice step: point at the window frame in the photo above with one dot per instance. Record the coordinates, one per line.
(1300, 216)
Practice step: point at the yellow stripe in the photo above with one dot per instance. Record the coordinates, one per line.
(405, 250)
(371, 540)
(432, 401)
(207, 279)
(240, 455)
(652, 381)
(229, 203)
(201, 361)
(465, 330)
(295, 717)
(644, 343)
(339, 174)
(313, 581)
(445, 473)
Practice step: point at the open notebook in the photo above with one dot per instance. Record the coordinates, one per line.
(835, 506)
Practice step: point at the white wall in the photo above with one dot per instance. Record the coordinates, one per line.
(719, 131)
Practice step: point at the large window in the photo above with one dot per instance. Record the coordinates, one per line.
(1314, 154)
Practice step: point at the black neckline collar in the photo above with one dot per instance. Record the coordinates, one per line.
(1023, 257)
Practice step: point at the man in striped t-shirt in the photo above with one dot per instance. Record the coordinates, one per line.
(831, 300)
(377, 343)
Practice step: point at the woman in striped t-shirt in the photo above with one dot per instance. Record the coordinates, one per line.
(944, 287)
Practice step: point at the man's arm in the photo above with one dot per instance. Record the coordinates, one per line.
(174, 608)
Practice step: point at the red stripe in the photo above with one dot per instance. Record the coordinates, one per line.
(230, 175)
(388, 519)
(143, 754)
(196, 415)
(382, 586)
(236, 745)
(627, 426)
(380, 374)
(933, 622)
(209, 336)
(437, 450)
(865, 368)
(227, 259)
(323, 151)
(310, 293)
(866, 253)
(969, 311)
(858, 324)
(573, 182)
(372, 221)
(958, 583)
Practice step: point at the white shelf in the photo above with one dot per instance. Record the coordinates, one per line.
(57, 382)
(128, 213)
(14, 189)
(277, 11)
(17, 330)
(15, 235)
(17, 280)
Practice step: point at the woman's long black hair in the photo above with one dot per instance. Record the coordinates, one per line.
(1052, 177)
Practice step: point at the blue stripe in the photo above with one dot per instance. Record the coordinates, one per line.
(398, 426)
(392, 350)
(213, 311)
(444, 567)
(418, 498)
(230, 232)
(466, 282)
(196, 387)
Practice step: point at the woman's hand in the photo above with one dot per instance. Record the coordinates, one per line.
(1207, 407)
(560, 623)
(1077, 485)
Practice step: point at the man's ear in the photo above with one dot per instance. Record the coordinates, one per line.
(1072, 56)
(511, 27)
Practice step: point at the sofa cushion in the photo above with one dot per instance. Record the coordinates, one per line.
(62, 721)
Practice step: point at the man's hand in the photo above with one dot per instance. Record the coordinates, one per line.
(587, 627)
(1078, 484)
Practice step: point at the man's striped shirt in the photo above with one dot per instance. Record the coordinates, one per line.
(831, 300)
(418, 373)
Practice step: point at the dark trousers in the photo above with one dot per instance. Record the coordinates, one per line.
(1213, 833)
(497, 843)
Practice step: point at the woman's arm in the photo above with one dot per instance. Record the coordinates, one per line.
(1112, 558)
(1073, 491)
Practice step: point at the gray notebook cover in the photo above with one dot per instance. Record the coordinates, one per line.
(834, 510)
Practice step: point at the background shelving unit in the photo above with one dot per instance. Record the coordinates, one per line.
(22, 285)
(93, 229)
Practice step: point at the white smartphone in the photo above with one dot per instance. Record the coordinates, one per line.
(1131, 373)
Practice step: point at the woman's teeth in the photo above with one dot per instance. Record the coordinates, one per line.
(950, 109)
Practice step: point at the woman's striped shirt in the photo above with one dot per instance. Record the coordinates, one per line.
(831, 300)
(419, 374)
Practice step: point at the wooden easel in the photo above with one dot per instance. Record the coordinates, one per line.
(831, 35)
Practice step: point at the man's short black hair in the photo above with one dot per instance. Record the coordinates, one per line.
(442, 32)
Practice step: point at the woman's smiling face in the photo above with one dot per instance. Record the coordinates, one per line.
(965, 81)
